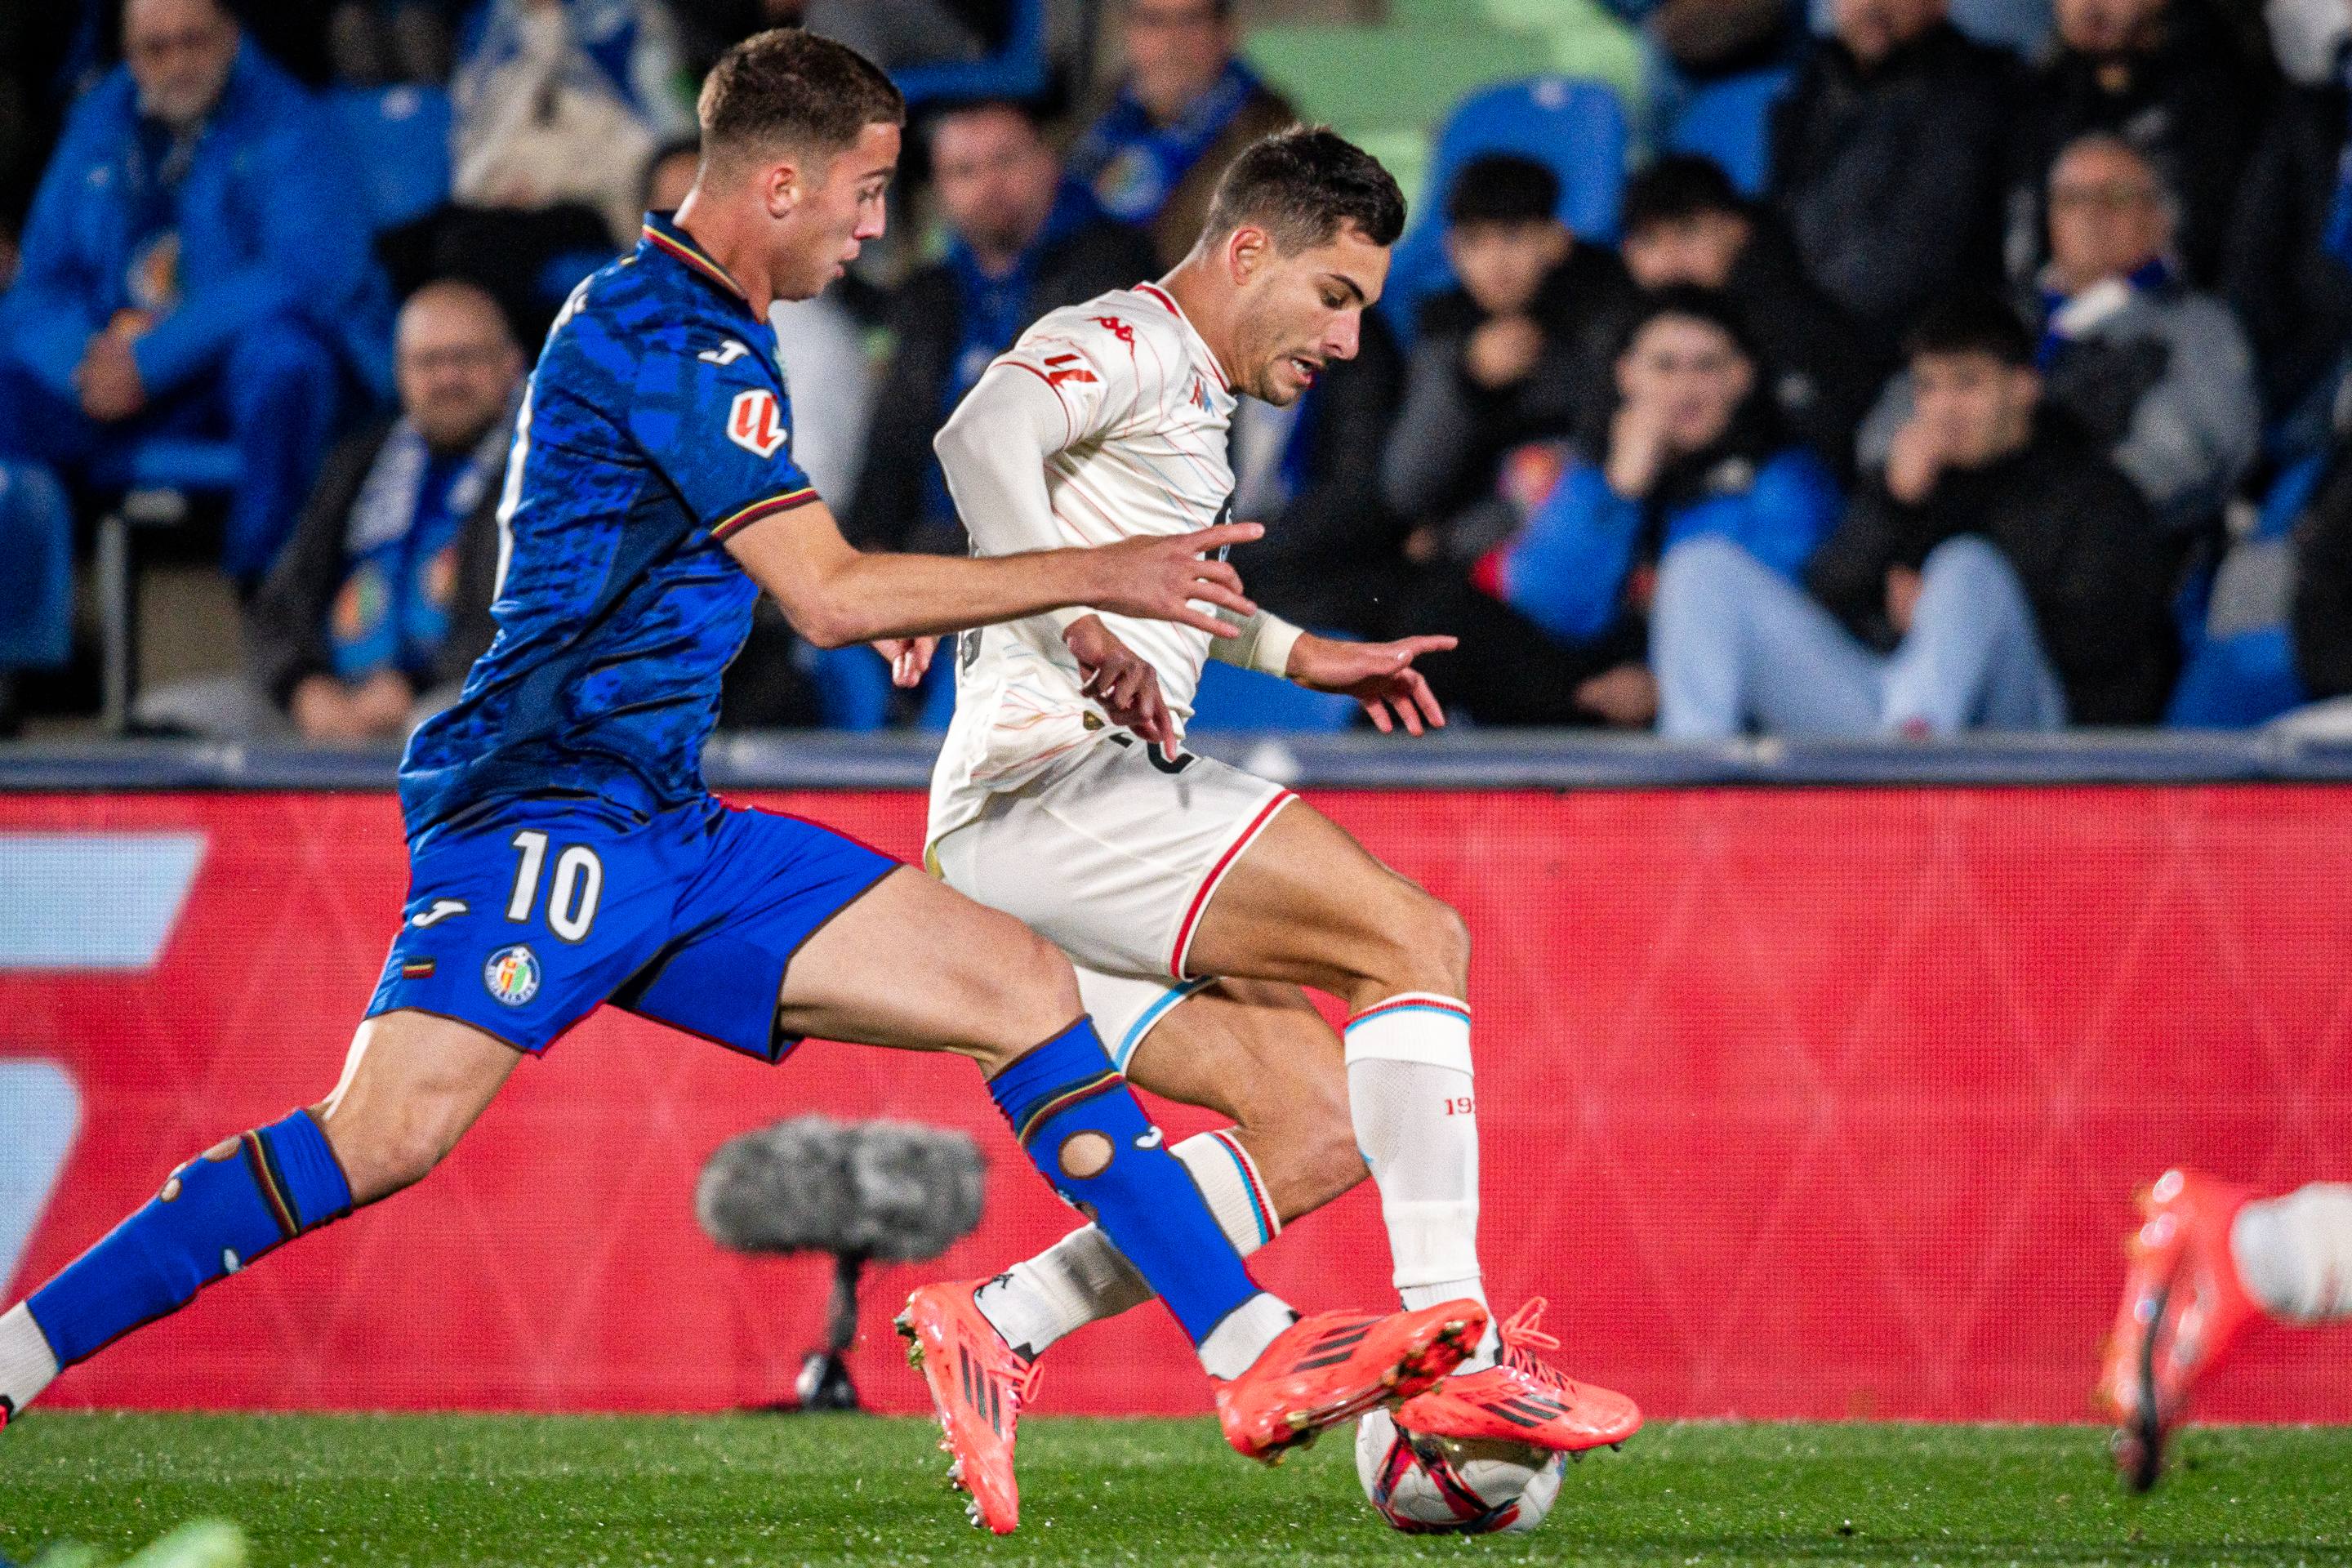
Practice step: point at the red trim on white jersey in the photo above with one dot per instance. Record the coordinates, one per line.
(1157, 292)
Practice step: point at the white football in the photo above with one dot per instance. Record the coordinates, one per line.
(1447, 1486)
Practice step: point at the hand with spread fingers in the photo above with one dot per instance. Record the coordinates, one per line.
(1170, 577)
(1379, 675)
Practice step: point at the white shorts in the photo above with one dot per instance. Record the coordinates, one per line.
(1112, 857)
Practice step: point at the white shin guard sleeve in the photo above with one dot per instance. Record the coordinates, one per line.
(1410, 1090)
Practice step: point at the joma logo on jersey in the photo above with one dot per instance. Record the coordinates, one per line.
(756, 423)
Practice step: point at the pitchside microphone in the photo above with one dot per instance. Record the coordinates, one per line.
(896, 1191)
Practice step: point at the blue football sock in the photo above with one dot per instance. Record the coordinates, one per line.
(215, 1216)
(1073, 1113)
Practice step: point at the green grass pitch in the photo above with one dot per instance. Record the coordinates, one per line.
(373, 1491)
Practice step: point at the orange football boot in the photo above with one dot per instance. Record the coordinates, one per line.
(978, 1385)
(1522, 1398)
(1334, 1366)
(2183, 1305)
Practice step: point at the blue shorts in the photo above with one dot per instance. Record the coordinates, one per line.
(520, 921)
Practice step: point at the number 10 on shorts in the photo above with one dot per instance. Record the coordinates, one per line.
(579, 883)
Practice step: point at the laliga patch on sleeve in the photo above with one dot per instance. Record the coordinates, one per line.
(756, 423)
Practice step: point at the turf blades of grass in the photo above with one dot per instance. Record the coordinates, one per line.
(706, 1493)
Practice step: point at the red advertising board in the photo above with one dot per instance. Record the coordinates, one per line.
(1795, 1102)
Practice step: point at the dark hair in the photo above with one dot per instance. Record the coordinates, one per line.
(1971, 323)
(688, 146)
(1302, 185)
(1756, 430)
(1713, 306)
(1503, 188)
(1675, 189)
(788, 88)
(1222, 10)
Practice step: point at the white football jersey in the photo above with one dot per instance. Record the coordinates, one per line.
(1148, 409)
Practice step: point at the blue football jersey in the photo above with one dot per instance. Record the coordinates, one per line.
(656, 426)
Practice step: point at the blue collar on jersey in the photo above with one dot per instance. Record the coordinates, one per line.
(662, 236)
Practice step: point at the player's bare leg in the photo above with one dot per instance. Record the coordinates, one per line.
(410, 1085)
(1256, 1052)
(1304, 903)
(912, 963)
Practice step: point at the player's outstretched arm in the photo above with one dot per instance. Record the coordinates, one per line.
(1379, 675)
(836, 595)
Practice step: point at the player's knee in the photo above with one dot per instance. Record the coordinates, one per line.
(1025, 992)
(383, 1154)
(1425, 946)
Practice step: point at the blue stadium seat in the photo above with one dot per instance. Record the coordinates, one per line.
(1232, 698)
(1577, 128)
(400, 136)
(1730, 121)
(1017, 70)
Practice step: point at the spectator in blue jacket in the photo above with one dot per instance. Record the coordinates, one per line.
(193, 265)
(1690, 449)
(2000, 573)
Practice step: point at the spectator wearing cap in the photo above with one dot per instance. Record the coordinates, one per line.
(2157, 373)
(1023, 240)
(1689, 446)
(2161, 75)
(192, 266)
(1186, 106)
(1685, 225)
(383, 594)
(1887, 156)
(1505, 359)
(1999, 574)
(2286, 262)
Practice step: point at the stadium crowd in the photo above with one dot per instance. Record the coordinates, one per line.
(2003, 390)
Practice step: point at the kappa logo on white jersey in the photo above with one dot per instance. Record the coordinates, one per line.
(727, 352)
(756, 423)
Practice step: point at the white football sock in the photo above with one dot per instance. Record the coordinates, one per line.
(2294, 1253)
(27, 1363)
(1243, 1336)
(1410, 1090)
(1083, 1278)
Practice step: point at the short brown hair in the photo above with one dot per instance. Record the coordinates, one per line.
(1302, 185)
(787, 87)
